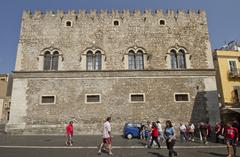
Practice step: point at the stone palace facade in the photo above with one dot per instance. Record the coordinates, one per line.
(134, 66)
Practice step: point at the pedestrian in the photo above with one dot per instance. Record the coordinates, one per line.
(107, 137)
(191, 130)
(69, 134)
(160, 132)
(223, 132)
(199, 131)
(142, 132)
(231, 139)
(154, 134)
(148, 133)
(204, 132)
(236, 137)
(218, 132)
(209, 129)
(170, 138)
(183, 132)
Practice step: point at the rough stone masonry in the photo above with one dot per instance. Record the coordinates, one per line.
(134, 66)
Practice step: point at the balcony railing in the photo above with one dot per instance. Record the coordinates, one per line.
(234, 73)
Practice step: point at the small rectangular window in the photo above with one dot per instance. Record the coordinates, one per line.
(181, 97)
(93, 98)
(116, 23)
(162, 22)
(48, 99)
(137, 97)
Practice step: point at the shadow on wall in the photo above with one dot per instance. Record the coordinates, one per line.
(205, 107)
(199, 111)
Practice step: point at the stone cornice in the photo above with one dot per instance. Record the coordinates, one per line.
(118, 73)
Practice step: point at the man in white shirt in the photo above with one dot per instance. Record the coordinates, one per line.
(160, 131)
(107, 139)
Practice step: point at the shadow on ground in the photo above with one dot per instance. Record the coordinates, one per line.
(212, 153)
(156, 154)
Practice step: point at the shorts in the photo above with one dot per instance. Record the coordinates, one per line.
(230, 141)
(107, 140)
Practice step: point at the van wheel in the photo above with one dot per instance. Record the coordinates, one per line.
(129, 136)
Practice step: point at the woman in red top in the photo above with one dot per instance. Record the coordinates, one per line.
(154, 134)
(69, 133)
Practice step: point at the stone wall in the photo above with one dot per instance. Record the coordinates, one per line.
(96, 31)
(157, 86)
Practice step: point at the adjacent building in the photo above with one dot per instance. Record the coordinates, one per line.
(5, 97)
(227, 63)
(134, 66)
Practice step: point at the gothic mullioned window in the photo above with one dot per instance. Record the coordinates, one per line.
(51, 60)
(135, 60)
(178, 60)
(94, 61)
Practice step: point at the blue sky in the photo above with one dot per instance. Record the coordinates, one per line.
(223, 18)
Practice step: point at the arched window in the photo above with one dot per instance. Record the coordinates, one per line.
(181, 59)
(173, 56)
(98, 60)
(55, 60)
(135, 60)
(139, 60)
(89, 60)
(94, 61)
(47, 61)
(131, 60)
(51, 61)
(177, 58)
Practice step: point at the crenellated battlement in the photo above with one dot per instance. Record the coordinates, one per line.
(27, 14)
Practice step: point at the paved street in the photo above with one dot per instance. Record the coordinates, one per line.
(86, 146)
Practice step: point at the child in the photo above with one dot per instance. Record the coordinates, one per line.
(69, 133)
(142, 132)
